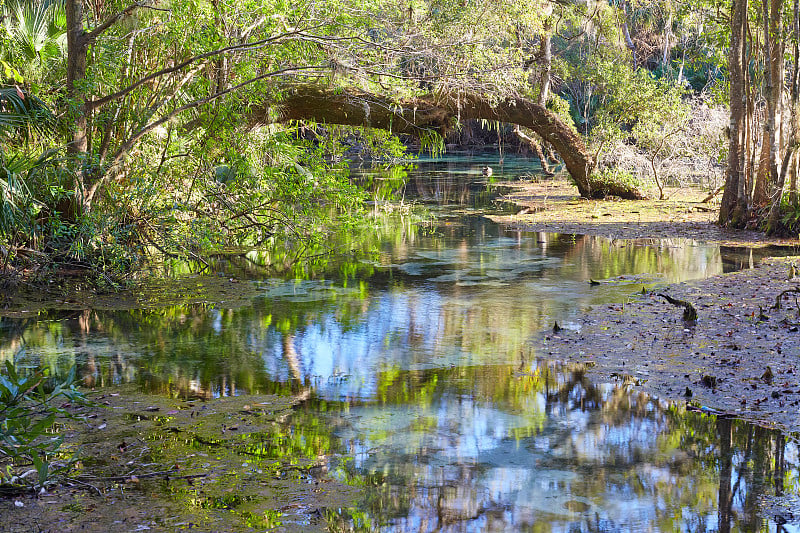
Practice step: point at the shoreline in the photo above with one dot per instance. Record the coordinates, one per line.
(741, 358)
(719, 362)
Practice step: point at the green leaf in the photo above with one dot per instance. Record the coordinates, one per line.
(42, 468)
(10, 72)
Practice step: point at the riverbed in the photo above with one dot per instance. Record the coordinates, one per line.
(410, 388)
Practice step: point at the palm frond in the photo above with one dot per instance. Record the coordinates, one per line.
(17, 203)
(37, 28)
(22, 112)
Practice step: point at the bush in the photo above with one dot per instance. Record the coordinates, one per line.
(610, 181)
(27, 418)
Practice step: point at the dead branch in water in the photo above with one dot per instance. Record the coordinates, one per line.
(689, 312)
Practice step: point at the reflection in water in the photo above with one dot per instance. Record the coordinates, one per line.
(468, 294)
(418, 366)
(495, 449)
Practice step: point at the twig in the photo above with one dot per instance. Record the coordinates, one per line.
(164, 473)
(779, 297)
(78, 481)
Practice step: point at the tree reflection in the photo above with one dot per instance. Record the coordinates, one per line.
(599, 458)
(413, 360)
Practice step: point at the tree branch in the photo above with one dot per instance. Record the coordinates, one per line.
(128, 144)
(99, 30)
(183, 64)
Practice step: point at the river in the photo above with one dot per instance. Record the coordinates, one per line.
(419, 364)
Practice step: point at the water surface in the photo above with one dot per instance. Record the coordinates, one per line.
(419, 363)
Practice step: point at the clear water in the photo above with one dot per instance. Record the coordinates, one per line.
(421, 363)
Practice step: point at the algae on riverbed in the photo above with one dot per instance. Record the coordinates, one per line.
(171, 464)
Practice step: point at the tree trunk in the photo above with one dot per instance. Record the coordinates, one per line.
(763, 178)
(440, 114)
(732, 212)
(534, 145)
(769, 170)
(793, 101)
(665, 59)
(77, 47)
(626, 33)
(78, 147)
(793, 181)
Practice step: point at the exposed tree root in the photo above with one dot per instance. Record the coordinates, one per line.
(779, 297)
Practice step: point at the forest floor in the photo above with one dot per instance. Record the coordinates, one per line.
(741, 357)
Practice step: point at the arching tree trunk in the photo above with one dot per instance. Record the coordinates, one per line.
(440, 114)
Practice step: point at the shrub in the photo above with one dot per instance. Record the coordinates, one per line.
(27, 418)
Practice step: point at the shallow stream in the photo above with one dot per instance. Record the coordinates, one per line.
(419, 366)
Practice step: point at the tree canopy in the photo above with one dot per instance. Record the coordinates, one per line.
(132, 126)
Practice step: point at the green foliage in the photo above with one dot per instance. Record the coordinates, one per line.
(36, 34)
(32, 188)
(10, 72)
(28, 415)
(251, 189)
(22, 114)
(611, 179)
(172, 167)
(18, 205)
(790, 218)
(633, 100)
(356, 143)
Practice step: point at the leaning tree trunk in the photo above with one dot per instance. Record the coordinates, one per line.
(440, 114)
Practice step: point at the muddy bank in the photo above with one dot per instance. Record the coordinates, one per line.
(554, 206)
(741, 357)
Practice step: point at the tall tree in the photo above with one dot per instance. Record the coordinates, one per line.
(734, 206)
